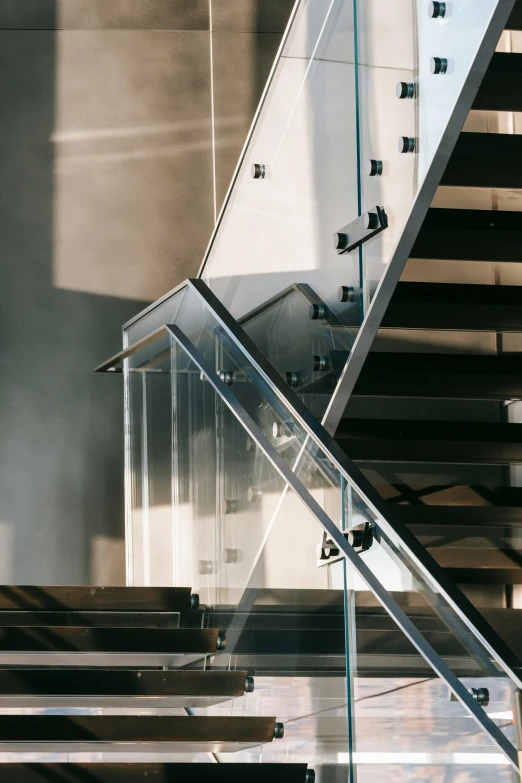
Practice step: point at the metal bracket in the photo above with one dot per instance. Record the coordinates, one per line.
(360, 230)
(359, 537)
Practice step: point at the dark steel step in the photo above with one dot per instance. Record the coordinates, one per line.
(441, 376)
(453, 306)
(501, 88)
(129, 733)
(478, 516)
(69, 598)
(41, 618)
(485, 160)
(120, 687)
(515, 19)
(108, 640)
(158, 773)
(384, 440)
(470, 235)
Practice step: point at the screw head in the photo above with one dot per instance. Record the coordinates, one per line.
(221, 641)
(226, 376)
(320, 363)
(249, 684)
(374, 168)
(310, 776)
(437, 10)
(279, 731)
(406, 144)
(254, 494)
(317, 312)
(405, 90)
(438, 65)
(480, 695)
(341, 241)
(292, 379)
(258, 171)
(371, 221)
(205, 567)
(194, 601)
(346, 293)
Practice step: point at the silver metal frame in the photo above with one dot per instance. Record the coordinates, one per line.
(336, 535)
(390, 278)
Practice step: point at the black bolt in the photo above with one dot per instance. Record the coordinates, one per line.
(226, 376)
(221, 642)
(279, 731)
(437, 10)
(320, 364)
(406, 144)
(371, 221)
(292, 378)
(346, 293)
(249, 684)
(374, 168)
(480, 695)
(438, 65)
(405, 90)
(310, 776)
(194, 601)
(317, 312)
(341, 241)
(258, 171)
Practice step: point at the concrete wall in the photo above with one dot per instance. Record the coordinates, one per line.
(121, 123)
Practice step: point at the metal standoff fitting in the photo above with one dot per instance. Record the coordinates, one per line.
(279, 731)
(374, 168)
(371, 221)
(320, 363)
(361, 537)
(292, 378)
(310, 776)
(250, 444)
(278, 429)
(437, 10)
(481, 695)
(341, 241)
(317, 312)
(258, 171)
(406, 144)
(249, 684)
(230, 506)
(194, 601)
(346, 293)
(254, 494)
(221, 641)
(405, 90)
(438, 65)
(226, 376)
(205, 567)
(230, 555)
(327, 550)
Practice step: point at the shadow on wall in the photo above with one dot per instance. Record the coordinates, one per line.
(61, 445)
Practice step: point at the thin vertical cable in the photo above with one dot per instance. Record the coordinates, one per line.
(358, 150)
(212, 110)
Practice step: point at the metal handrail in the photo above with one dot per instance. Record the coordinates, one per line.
(336, 535)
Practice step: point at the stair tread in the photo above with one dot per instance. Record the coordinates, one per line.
(485, 160)
(434, 375)
(500, 87)
(454, 306)
(477, 516)
(120, 682)
(515, 20)
(109, 640)
(92, 598)
(102, 619)
(376, 440)
(157, 773)
(470, 235)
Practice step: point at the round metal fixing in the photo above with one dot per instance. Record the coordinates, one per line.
(230, 556)
(326, 552)
(374, 168)
(406, 144)
(292, 378)
(340, 240)
(258, 171)
(438, 65)
(371, 221)
(221, 642)
(346, 293)
(227, 376)
(480, 695)
(254, 494)
(205, 567)
(356, 537)
(194, 601)
(310, 776)
(317, 312)
(250, 444)
(230, 506)
(320, 363)
(278, 429)
(249, 684)
(279, 731)
(405, 90)
(437, 10)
